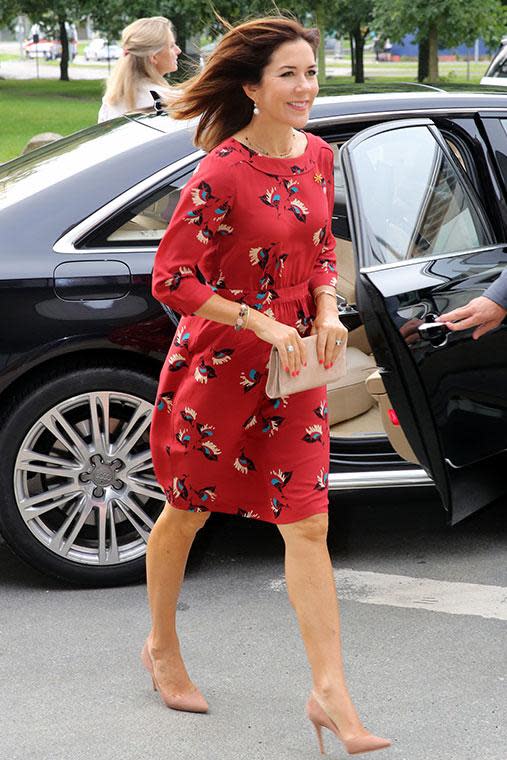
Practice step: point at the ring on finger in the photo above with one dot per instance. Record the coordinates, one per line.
(290, 349)
(339, 341)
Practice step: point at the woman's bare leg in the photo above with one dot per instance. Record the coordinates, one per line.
(312, 593)
(168, 548)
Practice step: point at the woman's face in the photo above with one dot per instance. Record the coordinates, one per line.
(166, 60)
(288, 86)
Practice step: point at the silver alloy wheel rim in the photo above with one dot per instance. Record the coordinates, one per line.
(84, 481)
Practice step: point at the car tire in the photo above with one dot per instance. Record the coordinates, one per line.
(85, 430)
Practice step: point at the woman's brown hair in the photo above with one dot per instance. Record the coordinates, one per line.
(216, 93)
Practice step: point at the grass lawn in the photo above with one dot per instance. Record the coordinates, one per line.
(30, 106)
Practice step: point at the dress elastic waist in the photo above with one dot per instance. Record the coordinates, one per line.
(258, 298)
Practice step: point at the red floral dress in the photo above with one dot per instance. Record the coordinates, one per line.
(259, 230)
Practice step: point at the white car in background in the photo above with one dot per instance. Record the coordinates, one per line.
(100, 50)
(496, 74)
(50, 50)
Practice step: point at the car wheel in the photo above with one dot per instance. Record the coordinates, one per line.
(79, 495)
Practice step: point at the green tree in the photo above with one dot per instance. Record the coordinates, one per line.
(9, 9)
(440, 23)
(54, 15)
(354, 20)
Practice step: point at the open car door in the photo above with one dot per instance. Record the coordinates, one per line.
(424, 246)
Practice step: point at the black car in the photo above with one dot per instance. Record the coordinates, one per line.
(421, 224)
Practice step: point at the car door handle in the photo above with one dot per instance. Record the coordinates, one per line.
(346, 309)
(435, 332)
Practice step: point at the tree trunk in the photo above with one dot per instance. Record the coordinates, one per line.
(423, 60)
(359, 49)
(64, 41)
(433, 53)
(321, 55)
(352, 55)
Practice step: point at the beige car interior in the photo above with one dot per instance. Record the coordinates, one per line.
(358, 403)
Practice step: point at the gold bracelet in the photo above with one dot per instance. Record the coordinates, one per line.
(324, 289)
(242, 317)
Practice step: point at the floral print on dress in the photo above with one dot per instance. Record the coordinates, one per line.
(255, 230)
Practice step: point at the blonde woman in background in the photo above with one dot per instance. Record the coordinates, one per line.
(149, 52)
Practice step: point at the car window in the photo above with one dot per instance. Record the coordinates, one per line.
(148, 222)
(412, 199)
(339, 182)
(144, 222)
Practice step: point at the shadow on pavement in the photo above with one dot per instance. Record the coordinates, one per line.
(386, 524)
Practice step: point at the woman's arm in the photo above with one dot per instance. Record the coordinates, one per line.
(327, 323)
(199, 222)
(276, 333)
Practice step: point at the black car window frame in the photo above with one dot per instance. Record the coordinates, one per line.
(496, 131)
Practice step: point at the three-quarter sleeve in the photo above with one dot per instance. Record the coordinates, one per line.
(197, 226)
(324, 268)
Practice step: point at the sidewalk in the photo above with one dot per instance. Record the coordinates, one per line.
(28, 70)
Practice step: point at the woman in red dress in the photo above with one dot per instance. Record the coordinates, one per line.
(256, 219)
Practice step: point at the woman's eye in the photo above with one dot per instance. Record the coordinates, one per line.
(311, 73)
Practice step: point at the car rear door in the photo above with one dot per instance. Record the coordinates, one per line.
(424, 246)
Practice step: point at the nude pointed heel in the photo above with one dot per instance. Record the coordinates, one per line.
(318, 731)
(356, 745)
(194, 701)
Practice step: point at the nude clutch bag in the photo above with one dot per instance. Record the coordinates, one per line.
(280, 383)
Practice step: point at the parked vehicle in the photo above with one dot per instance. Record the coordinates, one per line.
(102, 50)
(496, 74)
(50, 50)
(421, 223)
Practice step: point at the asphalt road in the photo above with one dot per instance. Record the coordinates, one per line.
(424, 637)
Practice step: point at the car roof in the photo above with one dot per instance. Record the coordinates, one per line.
(427, 100)
(343, 105)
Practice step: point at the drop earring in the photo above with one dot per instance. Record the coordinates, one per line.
(255, 109)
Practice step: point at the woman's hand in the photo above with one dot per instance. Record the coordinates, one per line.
(286, 339)
(329, 329)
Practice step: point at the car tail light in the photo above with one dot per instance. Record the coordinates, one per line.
(393, 416)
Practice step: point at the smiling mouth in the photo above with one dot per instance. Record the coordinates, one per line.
(298, 104)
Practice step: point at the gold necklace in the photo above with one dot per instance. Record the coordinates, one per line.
(272, 155)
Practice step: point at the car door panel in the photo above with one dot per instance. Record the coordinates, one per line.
(449, 391)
